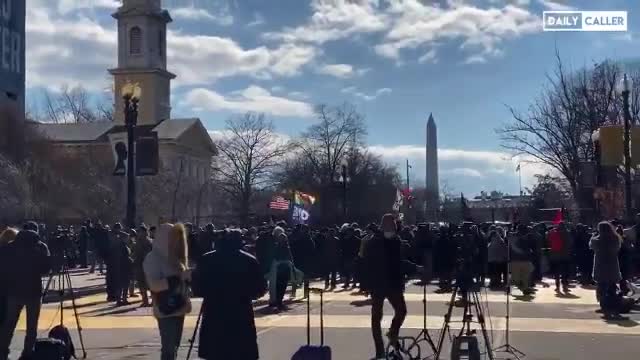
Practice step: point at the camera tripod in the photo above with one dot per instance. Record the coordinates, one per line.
(507, 348)
(63, 281)
(192, 341)
(410, 346)
(471, 303)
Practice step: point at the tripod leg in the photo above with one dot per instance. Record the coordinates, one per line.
(46, 288)
(75, 314)
(192, 341)
(483, 327)
(445, 325)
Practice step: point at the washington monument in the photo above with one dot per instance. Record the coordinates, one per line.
(432, 186)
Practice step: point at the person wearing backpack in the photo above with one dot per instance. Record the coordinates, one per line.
(561, 244)
(167, 274)
(23, 262)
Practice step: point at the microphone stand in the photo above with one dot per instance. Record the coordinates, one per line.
(507, 348)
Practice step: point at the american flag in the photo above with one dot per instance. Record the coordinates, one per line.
(279, 203)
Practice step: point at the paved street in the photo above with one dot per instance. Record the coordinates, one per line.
(545, 327)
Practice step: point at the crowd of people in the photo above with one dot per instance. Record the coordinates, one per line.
(230, 268)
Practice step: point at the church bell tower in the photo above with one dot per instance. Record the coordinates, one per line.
(142, 59)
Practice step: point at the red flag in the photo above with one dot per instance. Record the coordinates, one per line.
(558, 218)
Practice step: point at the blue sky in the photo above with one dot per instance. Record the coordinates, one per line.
(396, 60)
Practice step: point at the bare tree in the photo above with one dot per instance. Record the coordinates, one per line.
(327, 143)
(556, 129)
(73, 105)
(250, 149)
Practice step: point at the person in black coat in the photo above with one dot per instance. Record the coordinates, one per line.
(228, 279)
(303, 249)
(384, 274)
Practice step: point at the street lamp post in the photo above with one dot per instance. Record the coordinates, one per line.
(131, 97)
(627, 147)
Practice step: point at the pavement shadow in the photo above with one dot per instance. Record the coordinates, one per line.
(89, 304)
(118, 311)
(265, 311)
(621, 321)
(53, 294)
(261, 302)
(567, 296)
(362, 303)
(524, 298)
(111, 307)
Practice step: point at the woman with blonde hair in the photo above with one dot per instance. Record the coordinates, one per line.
(167, 272)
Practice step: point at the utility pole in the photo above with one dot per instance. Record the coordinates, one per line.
(408, 167)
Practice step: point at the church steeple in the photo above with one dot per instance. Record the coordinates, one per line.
(142, 51)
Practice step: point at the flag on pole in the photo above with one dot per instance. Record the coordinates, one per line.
(559, 217)
(518, 168)
(303, 199)
(279, 203)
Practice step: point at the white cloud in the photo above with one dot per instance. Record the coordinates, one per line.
(299, 95)
(475, 59)
(428, 57)
(253, 98)
(72, 52)
(463, 172)
(338, 70)
(489, 169)
(258, 20)
(192, 13)
(289, 58)
(555, 5)
(67, 6)
(416, 24)
(367, 97)
(335, 19)
(78, 50)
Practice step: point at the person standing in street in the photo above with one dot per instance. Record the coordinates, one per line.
(606, 267)
(228, 279)
(166, 270)
(23, 262)
(561, 243)
(384, 272)
(141, 249)
(119, 265)
(83, 247)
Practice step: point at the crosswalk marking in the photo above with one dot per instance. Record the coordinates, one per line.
(97, 314)
(584, 326)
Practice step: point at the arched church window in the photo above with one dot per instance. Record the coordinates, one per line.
(135, 40)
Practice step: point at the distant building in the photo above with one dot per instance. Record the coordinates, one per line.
(185, 147)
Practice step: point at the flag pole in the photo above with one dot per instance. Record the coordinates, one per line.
(408, 167)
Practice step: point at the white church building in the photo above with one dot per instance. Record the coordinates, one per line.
(184, 144)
